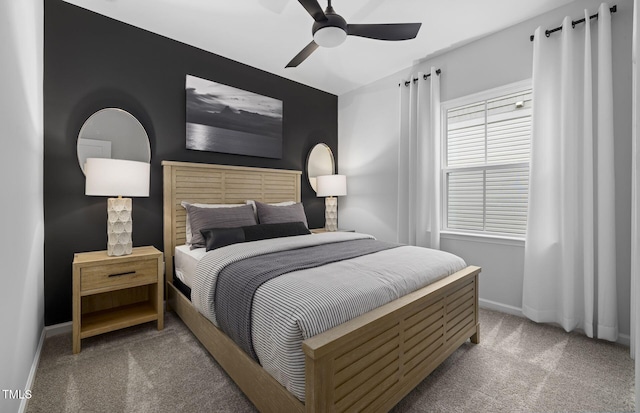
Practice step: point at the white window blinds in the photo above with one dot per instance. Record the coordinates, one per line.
(486, 174)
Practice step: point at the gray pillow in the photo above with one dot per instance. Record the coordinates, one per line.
(272, 214)
(203, 218)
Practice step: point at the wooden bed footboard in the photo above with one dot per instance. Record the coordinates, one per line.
(370, 363)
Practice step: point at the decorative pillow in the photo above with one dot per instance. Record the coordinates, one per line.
(188, 226)
(221, 237)
(202, 218)
(255, 210)
(270, 214)
(268, 231)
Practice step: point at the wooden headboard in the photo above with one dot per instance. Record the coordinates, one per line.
(217, 184)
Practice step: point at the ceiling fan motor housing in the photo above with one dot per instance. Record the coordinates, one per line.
(331, 32)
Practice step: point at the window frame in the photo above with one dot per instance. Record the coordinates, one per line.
(467, 234)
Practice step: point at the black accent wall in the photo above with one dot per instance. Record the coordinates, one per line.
(92, 62)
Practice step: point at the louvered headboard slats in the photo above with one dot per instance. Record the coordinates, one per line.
(217, 184)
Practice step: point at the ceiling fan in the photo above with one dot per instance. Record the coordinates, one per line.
(331, 30)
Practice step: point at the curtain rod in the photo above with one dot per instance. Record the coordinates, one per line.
(574, 22)
(425, 77)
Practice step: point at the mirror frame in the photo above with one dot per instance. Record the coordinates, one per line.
(102, 144)
(312, 179)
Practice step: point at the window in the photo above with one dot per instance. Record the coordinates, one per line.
(487, 147)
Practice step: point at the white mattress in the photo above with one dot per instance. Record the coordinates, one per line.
(185, 261)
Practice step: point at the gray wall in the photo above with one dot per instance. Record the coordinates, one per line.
(368, 134)
(21, 294)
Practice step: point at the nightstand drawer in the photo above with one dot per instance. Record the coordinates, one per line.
(116, 276)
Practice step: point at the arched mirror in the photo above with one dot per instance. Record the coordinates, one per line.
(319, 162)
(113, 133)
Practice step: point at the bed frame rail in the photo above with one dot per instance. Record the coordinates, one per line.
(261, 388)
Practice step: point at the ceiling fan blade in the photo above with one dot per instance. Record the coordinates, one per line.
(300, 57)
(314, 9)
(393, 31)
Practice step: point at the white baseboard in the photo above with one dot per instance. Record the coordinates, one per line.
(57, 329)
(48, 331)
(503, 308)
(32, 373)
(623, 339)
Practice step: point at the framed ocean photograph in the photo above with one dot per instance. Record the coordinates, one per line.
(226, 119)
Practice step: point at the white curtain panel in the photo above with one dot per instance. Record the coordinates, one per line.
(570, 269)
(635, 198)
(419, 162)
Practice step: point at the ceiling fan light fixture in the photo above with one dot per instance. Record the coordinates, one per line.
(330, 30)
(330, 36)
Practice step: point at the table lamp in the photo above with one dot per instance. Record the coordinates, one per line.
(117, 177)
(331, 186)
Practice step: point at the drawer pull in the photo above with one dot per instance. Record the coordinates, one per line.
(122, 273)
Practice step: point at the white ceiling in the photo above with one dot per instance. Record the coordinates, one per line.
(267, 34)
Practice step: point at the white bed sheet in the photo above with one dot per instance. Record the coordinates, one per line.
(185, 262)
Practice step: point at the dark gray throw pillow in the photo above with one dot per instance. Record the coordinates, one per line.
(221, 237)
(272, 214)
(268, 231)
(202, 218)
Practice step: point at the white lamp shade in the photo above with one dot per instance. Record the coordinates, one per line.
(331, 185)
(116, 177)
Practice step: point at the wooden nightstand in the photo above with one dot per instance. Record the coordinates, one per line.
(110, 293)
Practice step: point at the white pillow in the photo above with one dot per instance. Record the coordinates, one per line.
(255, 210)
(188, 228)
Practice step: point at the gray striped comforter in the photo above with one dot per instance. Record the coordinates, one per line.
(298, 305)
(238, 282)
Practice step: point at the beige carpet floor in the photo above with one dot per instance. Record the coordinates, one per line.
(519, 366)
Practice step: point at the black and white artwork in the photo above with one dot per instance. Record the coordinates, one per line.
(222, 118)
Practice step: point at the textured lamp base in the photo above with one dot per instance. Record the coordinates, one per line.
(331, 213)
(119, 226)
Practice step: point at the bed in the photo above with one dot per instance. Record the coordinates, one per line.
(346, 368)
